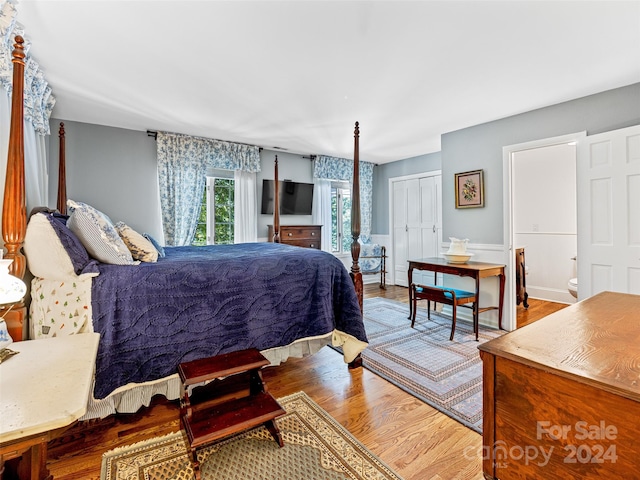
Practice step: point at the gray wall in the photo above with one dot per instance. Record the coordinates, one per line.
(112, 169)
(115, 170)
(382, 174)
(290, 167)
(480, 147)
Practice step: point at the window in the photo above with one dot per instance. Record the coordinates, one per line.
(340, 217)
(216, 219)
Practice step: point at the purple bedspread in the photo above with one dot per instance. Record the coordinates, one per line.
(201, 301)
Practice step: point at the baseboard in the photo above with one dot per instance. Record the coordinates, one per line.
(550, 295)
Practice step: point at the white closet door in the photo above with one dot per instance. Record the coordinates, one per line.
(417, 225)
(400, 239)
(609, 213)
(414, 220)
(428, 223)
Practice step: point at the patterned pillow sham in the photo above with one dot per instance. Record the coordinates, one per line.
(48, 256)
(155, 243)
(98, 234)
(80, 259)
(140, 248)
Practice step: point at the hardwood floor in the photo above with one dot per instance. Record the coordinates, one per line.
(413, 438)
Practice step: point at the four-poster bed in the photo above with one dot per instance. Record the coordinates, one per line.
(346, 307)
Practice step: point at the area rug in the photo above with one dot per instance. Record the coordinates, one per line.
(423, 361)
(316, 447)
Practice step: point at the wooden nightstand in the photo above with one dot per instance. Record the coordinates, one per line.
(45, 390)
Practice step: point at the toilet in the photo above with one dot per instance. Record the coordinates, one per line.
(573, 287)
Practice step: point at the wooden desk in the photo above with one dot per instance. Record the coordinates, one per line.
(475, 270)
(44, 390)
(565, 392)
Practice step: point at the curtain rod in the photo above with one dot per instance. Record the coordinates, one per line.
(154, 134)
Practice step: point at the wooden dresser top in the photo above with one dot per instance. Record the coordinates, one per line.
(596, 341)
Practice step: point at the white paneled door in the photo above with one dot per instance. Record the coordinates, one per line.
(417, 224)
(609, 213)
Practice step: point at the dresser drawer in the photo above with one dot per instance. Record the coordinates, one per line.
(294, 233)
(303, 243)
(307, 236)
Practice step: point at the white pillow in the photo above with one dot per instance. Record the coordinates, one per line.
(140, 248)
(46, 256)
(98, 234)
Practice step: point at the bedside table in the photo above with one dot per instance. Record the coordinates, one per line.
(44, 390)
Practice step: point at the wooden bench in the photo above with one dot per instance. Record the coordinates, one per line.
(236, 399)
(444, 295)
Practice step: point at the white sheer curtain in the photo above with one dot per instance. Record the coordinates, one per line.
(35, 168)
(246, 207)
(321, 212)
(38, 105)
(35, 158)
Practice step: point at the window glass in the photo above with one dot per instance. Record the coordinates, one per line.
(215, 222)
(340, 217)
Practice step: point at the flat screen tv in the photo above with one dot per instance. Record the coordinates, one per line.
(295, 198)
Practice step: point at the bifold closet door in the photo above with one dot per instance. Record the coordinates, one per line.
(416, 225)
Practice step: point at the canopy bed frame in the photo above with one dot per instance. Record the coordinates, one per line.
(14, 215)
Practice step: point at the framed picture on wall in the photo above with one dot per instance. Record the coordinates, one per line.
(469, 189)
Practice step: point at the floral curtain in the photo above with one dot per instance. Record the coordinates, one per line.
(38, 105)
(182, 165)
(332, 168)
(38, 98)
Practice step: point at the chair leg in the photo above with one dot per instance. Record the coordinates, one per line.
(429, 309)
(453, 323)
(476, 320)
(413, 313)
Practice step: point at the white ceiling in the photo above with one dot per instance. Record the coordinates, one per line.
(297, 75)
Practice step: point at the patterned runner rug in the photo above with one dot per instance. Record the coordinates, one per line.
(423, 361)
(316, 446)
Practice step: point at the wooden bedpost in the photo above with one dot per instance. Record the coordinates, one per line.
(62, 180)
(356, 275)
(14, 212)
(276, 204)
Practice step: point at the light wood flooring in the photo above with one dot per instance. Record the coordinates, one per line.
(413, 438)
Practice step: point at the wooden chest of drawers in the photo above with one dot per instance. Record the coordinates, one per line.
(561, 395)
(307, 236)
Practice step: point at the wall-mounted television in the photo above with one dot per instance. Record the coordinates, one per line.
(295, 198)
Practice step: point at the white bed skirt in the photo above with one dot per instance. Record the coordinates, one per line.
(132, 397)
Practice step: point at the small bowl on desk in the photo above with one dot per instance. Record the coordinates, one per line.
(457, 257)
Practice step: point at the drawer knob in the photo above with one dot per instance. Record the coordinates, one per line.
(312, 245)
(290, 234)
(313, 234)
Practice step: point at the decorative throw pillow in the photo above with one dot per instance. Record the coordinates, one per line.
(155, 243)
(80, 259)
(140, 248)
(98, 234)
(47, 256)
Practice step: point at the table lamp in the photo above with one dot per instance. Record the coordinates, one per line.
(12, 290)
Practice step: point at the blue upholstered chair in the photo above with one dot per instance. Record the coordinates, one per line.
(373, 261)
(444, 295)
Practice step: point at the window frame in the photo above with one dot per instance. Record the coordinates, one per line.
(208, 202)
(340, 188)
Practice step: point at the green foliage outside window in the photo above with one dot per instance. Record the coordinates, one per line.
(223, 203)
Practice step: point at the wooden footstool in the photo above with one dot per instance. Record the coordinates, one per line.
(235, 400)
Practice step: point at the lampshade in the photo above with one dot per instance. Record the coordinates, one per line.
(12, 289)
